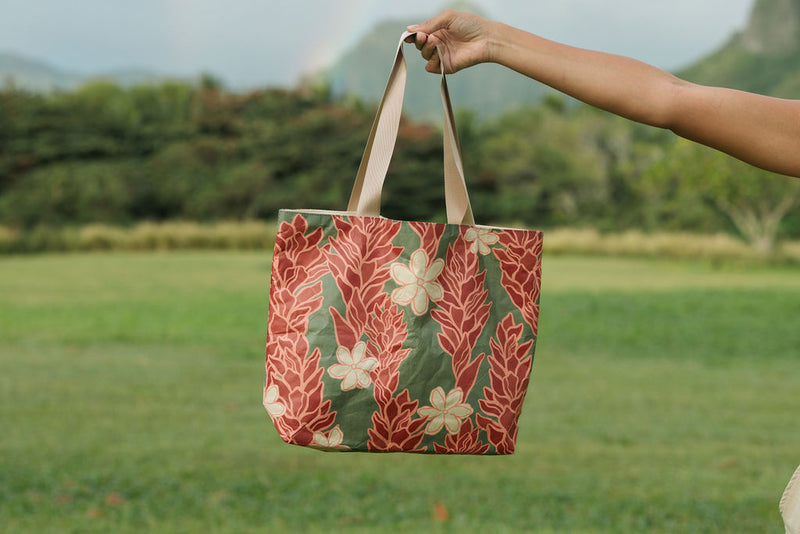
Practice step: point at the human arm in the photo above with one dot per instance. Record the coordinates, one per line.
(760, 130)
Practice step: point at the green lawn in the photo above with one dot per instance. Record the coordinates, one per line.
(664, 399)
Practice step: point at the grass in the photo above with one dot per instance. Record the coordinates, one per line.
(664, 399)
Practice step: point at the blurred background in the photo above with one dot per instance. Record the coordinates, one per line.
(163, 136)
(205, 112)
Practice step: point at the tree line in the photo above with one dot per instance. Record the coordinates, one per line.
(180, 151)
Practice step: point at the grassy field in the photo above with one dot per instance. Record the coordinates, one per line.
(664, 399)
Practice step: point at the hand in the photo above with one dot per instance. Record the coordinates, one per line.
(461, 38)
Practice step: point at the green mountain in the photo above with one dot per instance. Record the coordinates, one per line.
(364, 69)
(762, 58)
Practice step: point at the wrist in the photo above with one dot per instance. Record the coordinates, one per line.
(495, 42)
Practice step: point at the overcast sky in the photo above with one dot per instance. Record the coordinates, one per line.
(252, 43)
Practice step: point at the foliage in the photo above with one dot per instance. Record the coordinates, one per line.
(104, 154)
(558, 164)
(754, 200)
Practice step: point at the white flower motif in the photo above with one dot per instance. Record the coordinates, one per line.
(481, 239)
(333, 440)
(274, 408)
(417, 282)
(447, 411)
(353, 367)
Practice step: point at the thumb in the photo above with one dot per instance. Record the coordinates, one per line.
(442, 20)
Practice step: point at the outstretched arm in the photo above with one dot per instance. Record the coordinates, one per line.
(760, 130)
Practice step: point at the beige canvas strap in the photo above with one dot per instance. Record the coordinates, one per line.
(366, 196)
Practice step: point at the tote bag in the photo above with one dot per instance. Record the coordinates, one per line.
(387, 335)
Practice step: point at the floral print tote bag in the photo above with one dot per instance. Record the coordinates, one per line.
(397, 336)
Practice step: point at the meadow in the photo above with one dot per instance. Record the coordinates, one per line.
(663, 399)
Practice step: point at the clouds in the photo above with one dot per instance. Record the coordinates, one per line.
(258, 42)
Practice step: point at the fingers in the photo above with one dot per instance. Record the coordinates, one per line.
(436, 23)
(427, 44)
(419, 39)
(434, 65)
(416, 38)
(428, 49)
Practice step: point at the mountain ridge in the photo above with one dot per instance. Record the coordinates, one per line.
(32, 74)
(763, 58)
(362, 71)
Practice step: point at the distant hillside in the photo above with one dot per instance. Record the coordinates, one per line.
(363, 71)
(34, 75)
(763, 58)
(27, 73)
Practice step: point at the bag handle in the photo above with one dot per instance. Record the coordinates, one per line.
(365, 198)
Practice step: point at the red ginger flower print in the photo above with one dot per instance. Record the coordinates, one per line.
(462, 312)
(465, 441)
(296, 260)
(360, 258)
(387, 332)
(393, 427)
(430, 236)
(521, 271)
(302, 389)
(508, 376)
(298, 264)
(293, 393)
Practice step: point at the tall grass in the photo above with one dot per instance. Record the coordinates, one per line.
(244, 235)
(683, 245)
(259, 235)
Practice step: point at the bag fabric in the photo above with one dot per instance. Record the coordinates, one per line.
(390, 336)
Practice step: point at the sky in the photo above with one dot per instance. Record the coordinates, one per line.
(256, 43)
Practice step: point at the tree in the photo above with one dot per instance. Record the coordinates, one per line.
(755, 201)
(539, 167)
